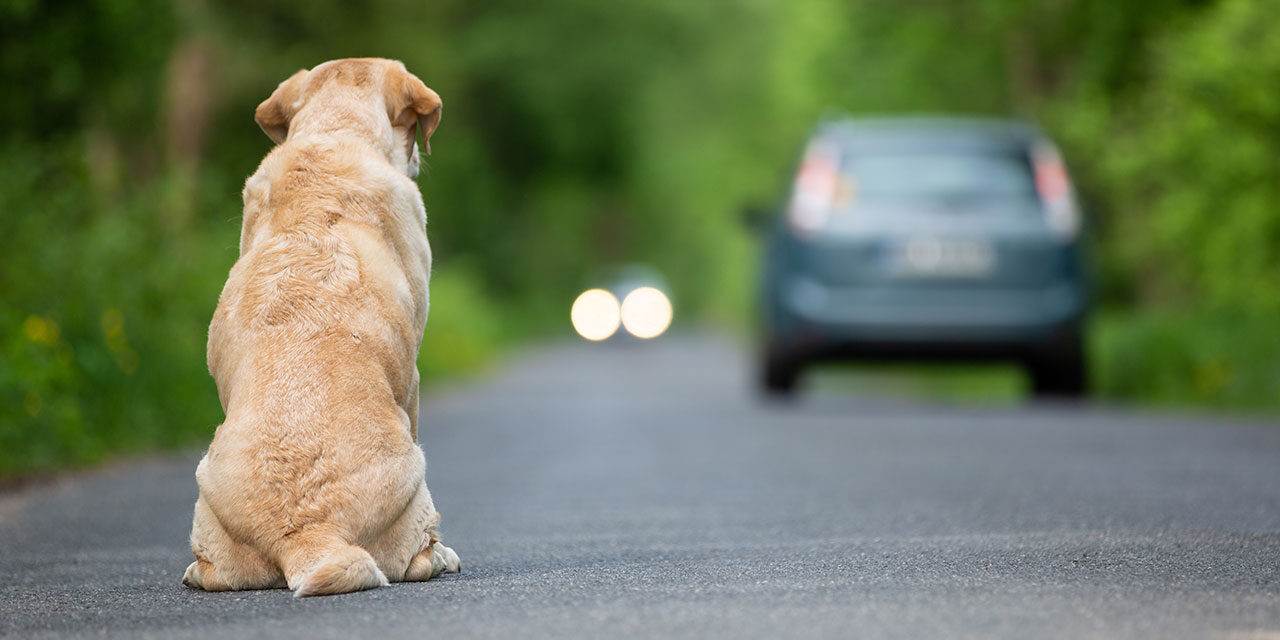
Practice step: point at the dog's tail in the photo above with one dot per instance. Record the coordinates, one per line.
(343, 568)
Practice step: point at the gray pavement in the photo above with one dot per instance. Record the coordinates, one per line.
(643, 491)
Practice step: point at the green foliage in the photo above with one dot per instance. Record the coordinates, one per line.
(466, 327)
(62, 64)
(1191, 165)
(1190, 359)
(104, 318)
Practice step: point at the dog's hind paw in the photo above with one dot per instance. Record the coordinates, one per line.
(431, 562)
(444, 560)
(191, 577)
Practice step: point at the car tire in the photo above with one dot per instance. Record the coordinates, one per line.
(779, 374)
(1060, 370)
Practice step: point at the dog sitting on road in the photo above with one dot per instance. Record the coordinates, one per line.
(315, 480)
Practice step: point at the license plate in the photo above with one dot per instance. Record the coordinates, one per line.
(941, 257)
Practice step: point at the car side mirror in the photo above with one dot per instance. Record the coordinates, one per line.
(756, 218)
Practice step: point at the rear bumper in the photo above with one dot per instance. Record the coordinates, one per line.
(945, 321)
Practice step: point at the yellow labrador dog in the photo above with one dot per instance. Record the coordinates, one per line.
(315, 480)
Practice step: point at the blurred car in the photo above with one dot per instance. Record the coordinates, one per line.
(927, 238)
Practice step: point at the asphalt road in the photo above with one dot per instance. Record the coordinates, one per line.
(641, 490)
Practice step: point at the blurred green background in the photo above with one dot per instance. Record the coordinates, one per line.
(579, 133)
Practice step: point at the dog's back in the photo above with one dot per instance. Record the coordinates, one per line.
(315, 479)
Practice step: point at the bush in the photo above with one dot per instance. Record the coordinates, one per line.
(1194, 359)
(464, 329)
(1189, 165)
(105, 315)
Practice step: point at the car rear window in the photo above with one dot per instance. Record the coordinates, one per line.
(938, 175)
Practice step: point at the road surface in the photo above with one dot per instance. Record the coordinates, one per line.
(642, 491)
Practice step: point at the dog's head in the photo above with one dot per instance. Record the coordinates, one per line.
(370, 97)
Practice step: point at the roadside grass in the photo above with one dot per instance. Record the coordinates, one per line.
(1218, 360)
(1178, 360)
(994, 384)
(465, 329)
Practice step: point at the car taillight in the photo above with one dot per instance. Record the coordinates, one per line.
(1054, 186)
(815, 188)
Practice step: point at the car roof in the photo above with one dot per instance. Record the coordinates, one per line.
(932, 133)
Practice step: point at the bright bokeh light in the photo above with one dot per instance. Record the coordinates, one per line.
(646, 312)
(595, 314)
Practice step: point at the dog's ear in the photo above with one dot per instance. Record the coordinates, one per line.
(274, 114)
(408, 99)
